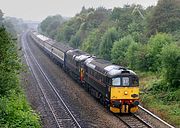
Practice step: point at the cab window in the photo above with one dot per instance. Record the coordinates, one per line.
(116, 81)
(125, 81)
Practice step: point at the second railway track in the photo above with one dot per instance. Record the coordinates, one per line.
(63, 116)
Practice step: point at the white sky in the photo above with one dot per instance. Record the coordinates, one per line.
(39, 9)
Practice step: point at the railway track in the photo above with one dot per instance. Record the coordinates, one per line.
(133, 121)
(154, 118)
(62, 115)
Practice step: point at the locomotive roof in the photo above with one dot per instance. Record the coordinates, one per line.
(106, 67)
(62, 47)
(78, 54)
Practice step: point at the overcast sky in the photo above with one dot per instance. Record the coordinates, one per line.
(37, 10)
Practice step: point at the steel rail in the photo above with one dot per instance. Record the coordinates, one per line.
(125, 122)
(140, 119)
(156, 117)
(39, 84)
(52, 86)
(130, 120)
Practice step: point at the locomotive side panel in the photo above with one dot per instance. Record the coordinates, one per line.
(96, 81)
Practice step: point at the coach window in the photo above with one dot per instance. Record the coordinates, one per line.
(116, 81)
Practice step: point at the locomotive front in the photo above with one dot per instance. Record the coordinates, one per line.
(123, 90)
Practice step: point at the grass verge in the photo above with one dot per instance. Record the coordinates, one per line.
(163, 102)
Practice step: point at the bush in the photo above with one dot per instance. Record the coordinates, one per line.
(131, 55)
(15, 112)
(156, 43)
(107, 43)
(171, 64)
(119, 50)
(9, 64)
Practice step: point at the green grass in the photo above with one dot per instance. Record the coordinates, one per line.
(163, 102)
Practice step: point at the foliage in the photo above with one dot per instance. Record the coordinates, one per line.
(9, 64)
(131, 55)
(1, 17)
(14, 25)
(171, 64)
(166, 17)
(77, 29)
(14, 110)
(96, 30)
(159, 97)
(155, 46)
(50, 25)
(119, 50)
(91, 43)
(109, 37)
(65, 33)
(122, 17)
(164, 104)
(142, 58)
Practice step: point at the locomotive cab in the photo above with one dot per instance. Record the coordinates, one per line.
(124, 92)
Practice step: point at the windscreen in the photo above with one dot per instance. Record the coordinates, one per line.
(121, 81)
(125, 81)
(116, 81)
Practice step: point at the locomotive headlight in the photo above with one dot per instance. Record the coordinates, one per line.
(125, 93)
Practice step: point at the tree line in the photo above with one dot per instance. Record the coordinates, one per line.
(142, 39)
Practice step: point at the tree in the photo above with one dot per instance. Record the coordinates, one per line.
(165, 18)
(122, 18)
(131, 55)
(50, 25)
(142, 59)
(65, 33)
(156, 43)
(9, 64)
(106, 45)
(1, 16)
(91, 43)
(119, 49)
(171, 64)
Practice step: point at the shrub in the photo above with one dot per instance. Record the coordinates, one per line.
(171, 64)
(119, 50)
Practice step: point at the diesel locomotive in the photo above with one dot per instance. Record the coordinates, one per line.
(116, 87)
